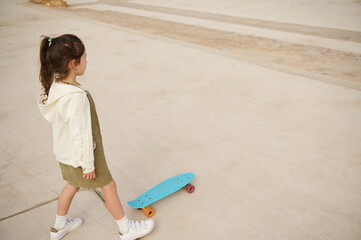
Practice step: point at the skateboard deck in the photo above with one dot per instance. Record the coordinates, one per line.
(162, 190)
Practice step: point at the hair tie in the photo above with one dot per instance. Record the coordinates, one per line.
(49, 40)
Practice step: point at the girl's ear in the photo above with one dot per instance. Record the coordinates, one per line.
(72, 64)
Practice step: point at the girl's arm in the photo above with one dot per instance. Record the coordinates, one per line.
(75, 110)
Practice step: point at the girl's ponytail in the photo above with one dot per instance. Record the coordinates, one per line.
(46, 75)
(55, 55)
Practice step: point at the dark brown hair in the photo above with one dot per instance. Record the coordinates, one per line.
(55, 55)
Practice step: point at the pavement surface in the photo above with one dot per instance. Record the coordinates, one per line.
(260, 100)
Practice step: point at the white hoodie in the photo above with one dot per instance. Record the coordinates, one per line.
(68, 109)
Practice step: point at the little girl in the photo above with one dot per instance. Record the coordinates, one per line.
(77, 138)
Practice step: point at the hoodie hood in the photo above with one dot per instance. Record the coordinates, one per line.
(57, 91)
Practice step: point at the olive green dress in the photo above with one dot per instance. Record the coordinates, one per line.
(75, 175)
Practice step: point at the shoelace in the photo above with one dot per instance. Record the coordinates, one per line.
(136, 225)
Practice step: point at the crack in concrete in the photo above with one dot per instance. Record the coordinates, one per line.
(29, 209)
(99, 194)
(34, 207)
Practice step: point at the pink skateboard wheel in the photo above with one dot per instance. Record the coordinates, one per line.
(190, 188)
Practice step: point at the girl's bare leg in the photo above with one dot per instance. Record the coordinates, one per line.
(112, 200)
(65, 198)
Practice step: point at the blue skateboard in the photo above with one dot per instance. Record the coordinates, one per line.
(162, 190)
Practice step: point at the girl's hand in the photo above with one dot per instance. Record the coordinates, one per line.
(90, 175)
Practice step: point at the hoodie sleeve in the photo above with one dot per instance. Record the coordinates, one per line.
(75, 109)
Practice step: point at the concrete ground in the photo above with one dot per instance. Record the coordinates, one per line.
(260, 100)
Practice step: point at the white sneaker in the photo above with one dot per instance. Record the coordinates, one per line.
(71, 225)
(137, 229)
